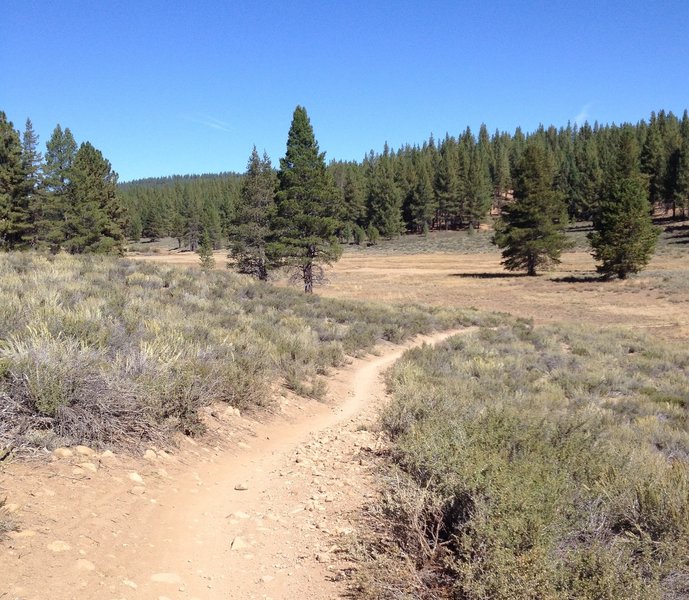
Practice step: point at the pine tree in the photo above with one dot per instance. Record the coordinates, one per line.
(33, 189)
(250, 237)
(306, 225)
(682, 176)
(531, 231)
(384, 199)
(13, 212)
(624, 236)
(61, 150)
(478, 197)
(205, 252)
(94, 217)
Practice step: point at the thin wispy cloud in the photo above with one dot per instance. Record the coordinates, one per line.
(210, 122)
(583, 115)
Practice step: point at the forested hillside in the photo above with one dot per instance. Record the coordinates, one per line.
(67, 198)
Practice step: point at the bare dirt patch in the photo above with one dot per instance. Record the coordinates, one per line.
(265, 513)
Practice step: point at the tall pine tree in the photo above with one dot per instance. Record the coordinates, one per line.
(13, 212)
(250, 236)
(306, 224)
(624, 236)
(531, 231)
(94, 218)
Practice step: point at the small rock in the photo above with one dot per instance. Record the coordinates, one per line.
(89, 466)
(171, 578)
(137, 490)
(11, 508)
(323, 557)
(107, 454)
(85, 565)
(150, 455)
(62, 453)
(241, 487)
(84, 450)
(136, 478)
(267, 578)
(129, 583)
(59, 546)
(241, 515)
(238, 544)
(26, 533)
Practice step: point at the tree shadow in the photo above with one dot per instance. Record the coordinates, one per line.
(580, 279)
(489, 275)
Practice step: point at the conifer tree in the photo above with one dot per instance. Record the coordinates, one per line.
(306, 224)
(624, 236)
(13, 212)
(681, 188)
(205, 252)
(531, 231)
(61, 149)
(33, 191)
(94, 218)
(251, 235)
(384, 199)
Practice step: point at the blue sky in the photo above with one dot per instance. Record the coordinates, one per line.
(171, 87)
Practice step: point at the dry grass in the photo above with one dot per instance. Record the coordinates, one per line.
(113, 352)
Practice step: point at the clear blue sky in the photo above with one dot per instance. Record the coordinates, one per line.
(170, 87)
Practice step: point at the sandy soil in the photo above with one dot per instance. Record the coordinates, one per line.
(263, 513)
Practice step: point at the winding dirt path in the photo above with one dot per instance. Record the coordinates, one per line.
(264, 519)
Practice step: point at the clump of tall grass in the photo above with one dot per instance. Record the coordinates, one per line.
(103, 351)
(549, 463)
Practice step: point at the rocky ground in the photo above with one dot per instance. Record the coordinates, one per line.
(258, 509)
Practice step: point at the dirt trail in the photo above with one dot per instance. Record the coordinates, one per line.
(264, 520)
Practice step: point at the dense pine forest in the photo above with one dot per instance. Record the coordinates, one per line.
(68, 198)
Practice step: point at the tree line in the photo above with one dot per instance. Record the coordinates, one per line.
(66, 199)
(69, 199)
(448, 184)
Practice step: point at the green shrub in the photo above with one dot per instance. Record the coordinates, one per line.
(539, 470)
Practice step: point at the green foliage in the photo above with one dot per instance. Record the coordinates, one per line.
(531, 231)
(359, 235)
(93, 216)
(541, 463)
(13, 203)
(251, 234)
(373, 235)
(304, 230)
(205, 252)
(624, 236)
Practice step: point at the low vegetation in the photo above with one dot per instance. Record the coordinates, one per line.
(536, 463)
(7, 523)
(106, 351)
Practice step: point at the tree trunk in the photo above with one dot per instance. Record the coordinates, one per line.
(308, 277)
(531, 265)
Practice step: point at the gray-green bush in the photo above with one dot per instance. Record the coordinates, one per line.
(113, 352)
(540, 463)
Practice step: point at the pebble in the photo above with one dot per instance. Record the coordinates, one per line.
(59, 546)
(171, 578)
(62, 453)
(85, 565)
(136, 478)
(241, 487)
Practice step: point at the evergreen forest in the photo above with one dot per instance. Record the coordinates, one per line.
(68, 197)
